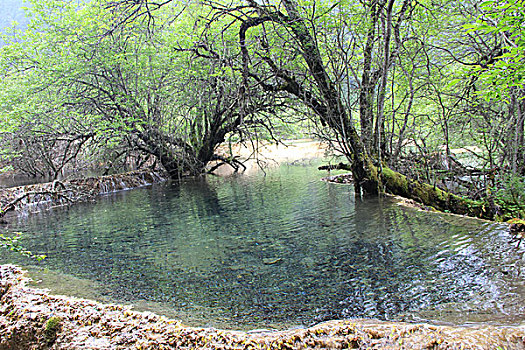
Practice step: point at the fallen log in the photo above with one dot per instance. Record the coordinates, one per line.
(340, 166)
(395, 183)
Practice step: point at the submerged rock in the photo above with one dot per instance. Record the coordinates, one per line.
(271, 261)
(339, 179)
(82, 324)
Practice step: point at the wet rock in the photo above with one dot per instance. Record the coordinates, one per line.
(517, 229)
(339, 179)
(36, 197)
(85, 324)
(271, 261)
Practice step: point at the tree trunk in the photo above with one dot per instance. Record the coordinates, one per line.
(332, 112)
(327, 104)
(368, 82)
(377, 147)
(398, 184)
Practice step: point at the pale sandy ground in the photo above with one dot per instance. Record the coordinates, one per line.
(264, 154)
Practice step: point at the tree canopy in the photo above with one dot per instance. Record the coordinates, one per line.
(424, 99)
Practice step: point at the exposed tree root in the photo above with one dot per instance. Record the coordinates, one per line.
(231, 161)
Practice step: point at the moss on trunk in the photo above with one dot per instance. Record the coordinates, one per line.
(399, 184)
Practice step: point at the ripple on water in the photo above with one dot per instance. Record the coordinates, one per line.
(279, 250)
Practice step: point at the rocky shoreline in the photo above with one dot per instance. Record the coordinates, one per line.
(32, 198)
(32, 319)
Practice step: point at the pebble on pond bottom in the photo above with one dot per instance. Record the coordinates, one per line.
(28, 316)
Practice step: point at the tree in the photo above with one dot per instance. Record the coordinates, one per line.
(135, 89)
(287, 49)
(500, 74)
(172, 80)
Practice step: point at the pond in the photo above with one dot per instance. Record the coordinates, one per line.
(276, 250)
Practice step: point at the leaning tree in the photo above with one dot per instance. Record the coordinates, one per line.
(131, 86)
(303, 52)
(284, 50)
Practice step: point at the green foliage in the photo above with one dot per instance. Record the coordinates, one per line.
(506, 21)
(11, 15)
(73, 73)
(51, 328)
(12, 243)
(516, 221)
(510, 196)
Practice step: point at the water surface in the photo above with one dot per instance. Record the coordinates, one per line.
(276, 251)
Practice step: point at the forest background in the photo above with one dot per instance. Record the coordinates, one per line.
(424, 99)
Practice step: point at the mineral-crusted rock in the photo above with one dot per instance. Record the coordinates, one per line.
(85, 324)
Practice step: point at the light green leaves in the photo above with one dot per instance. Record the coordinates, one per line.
(505, 21)
(12, 243)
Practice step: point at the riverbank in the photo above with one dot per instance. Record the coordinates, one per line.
(32, 319)
(255, 156)
(36, 197)
(262, 154)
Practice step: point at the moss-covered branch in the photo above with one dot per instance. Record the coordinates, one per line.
(398, 184)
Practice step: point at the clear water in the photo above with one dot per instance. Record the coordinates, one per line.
(279, 250)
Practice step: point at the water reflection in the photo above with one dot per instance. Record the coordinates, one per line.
(281, 250)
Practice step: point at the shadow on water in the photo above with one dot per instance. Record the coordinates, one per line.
(277, 251)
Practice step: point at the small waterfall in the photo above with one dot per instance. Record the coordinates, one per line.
(123, 182)
(42, 196)
(143, 180)
(123, 185)
(103, 186)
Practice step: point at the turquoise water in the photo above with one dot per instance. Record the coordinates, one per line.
(277, 250)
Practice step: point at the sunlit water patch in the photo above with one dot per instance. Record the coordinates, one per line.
(276, 251)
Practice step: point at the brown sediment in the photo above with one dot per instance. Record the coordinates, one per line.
(339, 179)
(42, 196)
(33, 319)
